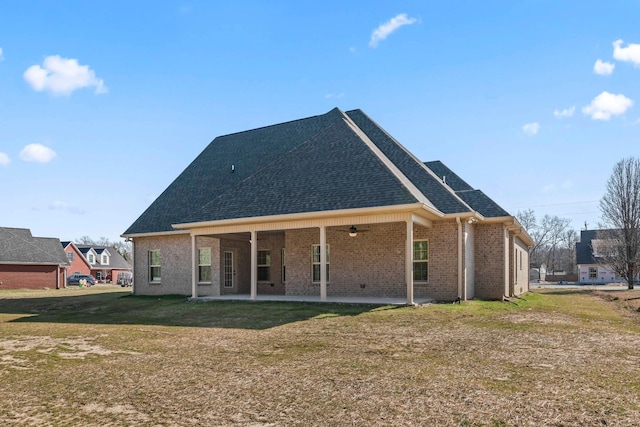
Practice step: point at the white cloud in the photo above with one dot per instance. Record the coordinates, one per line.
(531, 129)
(567, 112)
(631, 53)
(603, 68)
(385, 30)
(37, 153)
(4, 159)
(62, 76)
(606, 105)
(57, 205)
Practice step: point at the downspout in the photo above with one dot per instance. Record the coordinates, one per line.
(459, 258)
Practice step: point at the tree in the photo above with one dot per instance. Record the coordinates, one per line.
(620, 209)
(550, 236)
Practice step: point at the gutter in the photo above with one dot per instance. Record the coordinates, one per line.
(459, 257)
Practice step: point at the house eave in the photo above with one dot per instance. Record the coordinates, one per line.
(514, 226)
(409, 208)
(153, 234)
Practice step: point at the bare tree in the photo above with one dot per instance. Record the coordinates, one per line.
(620, 209)
(548, 233)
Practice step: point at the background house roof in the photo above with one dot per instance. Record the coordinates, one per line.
(18, 246)
(116, 261)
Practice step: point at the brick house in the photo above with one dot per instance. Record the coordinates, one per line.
(251, 214)
(102, 262)
(30, 262)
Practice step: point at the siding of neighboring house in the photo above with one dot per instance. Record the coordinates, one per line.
(603, 274)
(31, 276)
(78, 264)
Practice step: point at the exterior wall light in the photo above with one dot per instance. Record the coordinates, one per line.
(353, 231)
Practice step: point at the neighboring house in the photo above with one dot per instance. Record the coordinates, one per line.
(78, 264)
(30, 262)
(329, 205)
(592, 268)
(102, 262)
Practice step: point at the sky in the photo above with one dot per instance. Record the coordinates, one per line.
(104, 103)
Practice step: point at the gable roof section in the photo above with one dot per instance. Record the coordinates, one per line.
(442, 198)
(116, 261)
(332, 170)
(18, 246)
(476, 199)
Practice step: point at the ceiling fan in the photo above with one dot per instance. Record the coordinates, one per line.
(353, 231)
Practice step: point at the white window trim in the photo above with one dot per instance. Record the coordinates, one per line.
(258, 265)
(414, 261)
(205, 265)
(155, 265)
(318, 262)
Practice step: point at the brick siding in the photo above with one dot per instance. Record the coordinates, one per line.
(30, 276)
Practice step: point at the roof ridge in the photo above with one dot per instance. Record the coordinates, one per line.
(278, 124)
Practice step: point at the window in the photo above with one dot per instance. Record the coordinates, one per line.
(593, 272)
(70, 256)
(100, 276)
(228, 269)
(204, 265)
(154, 266)
(315, 263)
(421, 260)
(105, 259)
(284, 265)
(520, 260)
(91, 258)
(264, 266)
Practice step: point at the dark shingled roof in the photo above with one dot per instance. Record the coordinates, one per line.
(476, 199)
(332, 170)
(584, 250)
(18, 246)
(116, 261)
(443, 199)
(448, 176)
(319, 163)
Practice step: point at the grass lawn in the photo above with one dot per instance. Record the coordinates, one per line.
(100, 356)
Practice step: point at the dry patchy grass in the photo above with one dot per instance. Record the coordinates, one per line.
(92, 357)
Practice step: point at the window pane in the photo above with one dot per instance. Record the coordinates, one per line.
(264, 274)
(204, 273)
(155, 274)
(154, 257)
(316, 272)
(421, 250)
(204, 256)
(420, 271)
(316, 253)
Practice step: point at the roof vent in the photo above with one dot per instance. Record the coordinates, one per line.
(233, 168)
(444, 179)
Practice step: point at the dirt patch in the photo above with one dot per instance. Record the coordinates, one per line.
(14, 350)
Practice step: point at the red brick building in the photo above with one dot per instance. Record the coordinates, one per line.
(30, 262)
